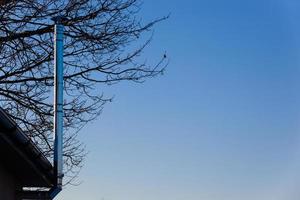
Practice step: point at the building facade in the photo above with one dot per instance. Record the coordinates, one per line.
(22, 164)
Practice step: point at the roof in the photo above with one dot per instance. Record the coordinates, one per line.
(22, 157)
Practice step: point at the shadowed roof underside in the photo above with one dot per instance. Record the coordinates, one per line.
(22, 157)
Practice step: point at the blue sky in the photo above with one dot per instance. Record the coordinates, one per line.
(221, 124)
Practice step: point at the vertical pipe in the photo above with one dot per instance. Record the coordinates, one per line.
(58, 101)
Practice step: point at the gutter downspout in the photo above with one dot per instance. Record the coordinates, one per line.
(58, 106)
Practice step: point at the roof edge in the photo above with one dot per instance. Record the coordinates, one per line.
(26, 146)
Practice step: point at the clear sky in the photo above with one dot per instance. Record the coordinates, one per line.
(221, 124)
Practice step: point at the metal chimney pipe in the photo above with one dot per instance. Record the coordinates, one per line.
(58, 103)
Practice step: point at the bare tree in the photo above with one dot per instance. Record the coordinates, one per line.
(100, 48)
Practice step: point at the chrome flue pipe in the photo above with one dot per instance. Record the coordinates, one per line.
(58, 104)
